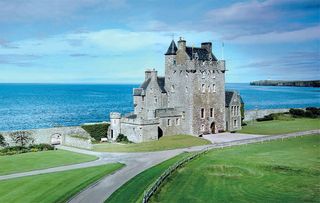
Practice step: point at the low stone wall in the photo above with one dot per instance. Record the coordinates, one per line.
(260, 113)
(78, 142)
(46, 135)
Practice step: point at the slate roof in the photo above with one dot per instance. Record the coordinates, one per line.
(202, 53)
(145, 84)
(172, 49)
(161, 83)
(229, 95)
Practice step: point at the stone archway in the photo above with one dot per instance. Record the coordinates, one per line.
(160, 133)
(56, 139)
(213, 128)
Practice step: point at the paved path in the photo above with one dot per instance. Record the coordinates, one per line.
(138, 162)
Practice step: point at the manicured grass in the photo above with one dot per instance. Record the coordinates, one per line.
(133, 190)
(164, 143)
(277, 171)
(40, 160)
(281, 126)
(53, 187)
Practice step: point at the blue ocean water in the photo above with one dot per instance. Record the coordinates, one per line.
(27, 106)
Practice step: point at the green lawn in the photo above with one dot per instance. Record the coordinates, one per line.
(133, 190)
(53, 187)
(164, 143)
(281, 126)
(277, 171)
(40, 160)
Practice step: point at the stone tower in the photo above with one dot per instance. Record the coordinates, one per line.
(194, 80)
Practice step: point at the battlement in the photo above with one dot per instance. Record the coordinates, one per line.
(115, 115)
(194, 65)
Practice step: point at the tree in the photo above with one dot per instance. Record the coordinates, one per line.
(21, 138)
(2, 141)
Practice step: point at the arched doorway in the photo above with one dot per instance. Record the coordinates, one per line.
(56, 139)
(213, 128)
(160, 132)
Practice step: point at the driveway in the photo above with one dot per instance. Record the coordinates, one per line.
(228, 137)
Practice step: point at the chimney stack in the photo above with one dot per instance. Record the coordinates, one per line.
(182, 44)
(207, 46)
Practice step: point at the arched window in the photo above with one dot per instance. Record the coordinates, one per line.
(203, 88)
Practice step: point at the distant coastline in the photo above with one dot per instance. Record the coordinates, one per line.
(296, 83)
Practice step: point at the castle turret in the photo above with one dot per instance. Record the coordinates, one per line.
(170, 57)
(114, 125)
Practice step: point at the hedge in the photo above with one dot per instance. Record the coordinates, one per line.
(97, 131)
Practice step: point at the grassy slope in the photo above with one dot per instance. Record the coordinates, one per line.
(164, 143)
(53, 187)
(278, 171)
(132, 191)
(40, 160)
(281, 126)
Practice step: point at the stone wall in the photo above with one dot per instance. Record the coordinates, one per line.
(260, 113)
(46, 135)
(77, 142)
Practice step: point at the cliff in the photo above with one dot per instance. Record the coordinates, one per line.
(311, 83)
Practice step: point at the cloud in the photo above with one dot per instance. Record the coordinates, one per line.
(21, 10)
(261, 17)
(301, 35)
(6, 44)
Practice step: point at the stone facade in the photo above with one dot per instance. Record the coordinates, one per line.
(190, 99)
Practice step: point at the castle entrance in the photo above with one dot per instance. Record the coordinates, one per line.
(160, 132)
(213, 128)
(56, 139)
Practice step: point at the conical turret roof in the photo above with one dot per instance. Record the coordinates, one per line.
(172, 49)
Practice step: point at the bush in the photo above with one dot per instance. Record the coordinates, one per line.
(266, 118)
(42, 147)
(2, 141)
(297, 112)
(313, 112)
(122, 138)
(21, 149)
(97, 131)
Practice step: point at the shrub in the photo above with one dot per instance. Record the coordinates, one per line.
(97, 131)
(266, 118)
(42, 147)
(315, 112)
(2, 141)
(297, 112)
(122, 138)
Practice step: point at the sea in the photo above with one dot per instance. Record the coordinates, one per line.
(30, 106)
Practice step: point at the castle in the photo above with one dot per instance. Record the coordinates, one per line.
(189, 99)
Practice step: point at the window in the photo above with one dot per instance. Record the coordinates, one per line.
(213, 88)
(169, 122)
(177, 121)
(211, 112)
(235, 123)
(202, 128)
(202, 113)
(174, 62)
(203, 74)
(142, 98)
(238, 110)
(203, 88)
(155, 100)
(186, 89)
(172, 88)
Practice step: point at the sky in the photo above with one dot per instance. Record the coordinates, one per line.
(115, 41)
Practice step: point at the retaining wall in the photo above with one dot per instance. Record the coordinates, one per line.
(45, 136)
(260, 113)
